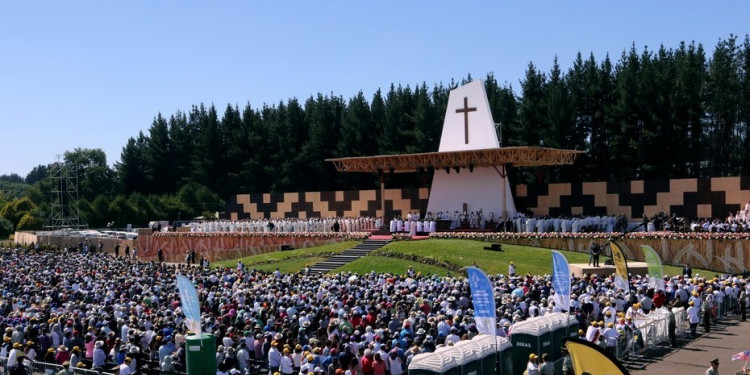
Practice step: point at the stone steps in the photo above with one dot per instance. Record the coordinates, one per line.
(362, 249)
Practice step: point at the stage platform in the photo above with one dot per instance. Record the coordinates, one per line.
(635, 268)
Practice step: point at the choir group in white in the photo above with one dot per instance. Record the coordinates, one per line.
(535, 224)
(288, 225)
(413, 223)
(739, 222)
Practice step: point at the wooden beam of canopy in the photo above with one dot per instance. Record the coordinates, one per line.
(410, 163)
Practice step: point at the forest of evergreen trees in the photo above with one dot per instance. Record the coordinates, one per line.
(666, 113)
(650, 114)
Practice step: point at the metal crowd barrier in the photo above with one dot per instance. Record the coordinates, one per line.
(42, 368)
(656, 332)
(83, 371)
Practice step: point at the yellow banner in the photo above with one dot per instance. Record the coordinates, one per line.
(588, 358)
(621, 267)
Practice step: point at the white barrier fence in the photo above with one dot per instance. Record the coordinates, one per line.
(653, 329)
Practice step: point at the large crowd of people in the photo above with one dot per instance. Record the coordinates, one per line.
(287, 225)
(101, 312)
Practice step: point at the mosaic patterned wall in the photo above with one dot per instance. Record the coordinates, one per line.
(691, 197)
(326, 204)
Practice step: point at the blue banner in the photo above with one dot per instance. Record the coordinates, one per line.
(561, 281)
(483, 299)
(189, 304)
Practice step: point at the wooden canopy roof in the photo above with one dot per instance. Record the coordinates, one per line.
(409, 163)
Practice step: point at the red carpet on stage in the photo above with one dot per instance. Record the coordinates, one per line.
(390, 237)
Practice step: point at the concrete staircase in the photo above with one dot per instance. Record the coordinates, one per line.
(348, 256)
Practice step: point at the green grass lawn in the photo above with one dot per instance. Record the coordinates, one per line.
(290, 265)
(462, 253)
(534, 260)
(279, 256)
(391, 265)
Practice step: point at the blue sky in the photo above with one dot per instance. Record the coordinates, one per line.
(94, 73)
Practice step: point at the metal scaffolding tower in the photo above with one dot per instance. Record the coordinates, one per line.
(64, 212)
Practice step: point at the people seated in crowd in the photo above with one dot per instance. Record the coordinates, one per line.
(131, 312)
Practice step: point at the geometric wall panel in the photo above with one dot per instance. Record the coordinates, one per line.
(689, 198)
(326, 204)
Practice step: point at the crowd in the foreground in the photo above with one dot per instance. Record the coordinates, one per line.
(102, 312)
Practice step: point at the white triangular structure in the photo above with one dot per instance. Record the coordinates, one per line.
(468, 125)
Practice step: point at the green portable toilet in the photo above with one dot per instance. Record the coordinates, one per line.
(473, 349)
(503, 350)
(487, 352)
(504, 356)
(559, 328)
(468, 360)
(433, 364)
(530, 336)
(572, 326)
(201, 354)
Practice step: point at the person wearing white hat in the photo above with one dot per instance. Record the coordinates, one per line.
(100, 357)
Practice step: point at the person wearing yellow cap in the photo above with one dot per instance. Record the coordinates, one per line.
(287, 364)
(707, 311)
(15, 356)
(592, 333)
(610, 337)
(634, 311)
(693, 313)
(511, 269)
(608, 317)
(29, 351)
(274, 357)
(696, 298)
(532, 368)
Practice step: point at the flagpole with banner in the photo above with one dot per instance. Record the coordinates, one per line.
(189, 304)
(622, 279)
(561, 281)
(483, 299)
(655, 269)
(742, 356)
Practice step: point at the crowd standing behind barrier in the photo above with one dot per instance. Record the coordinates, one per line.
(116, 310)
(287, 225)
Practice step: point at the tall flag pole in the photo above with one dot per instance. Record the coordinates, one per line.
(561, 280)
(483, 299)
(622, 280)
(655, 269)
(189, 303)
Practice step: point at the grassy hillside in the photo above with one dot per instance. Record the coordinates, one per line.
(294, 256)
(436, 256)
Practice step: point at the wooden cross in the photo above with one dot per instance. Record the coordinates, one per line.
(465, 110)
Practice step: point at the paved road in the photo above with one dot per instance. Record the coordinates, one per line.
(729, 336)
